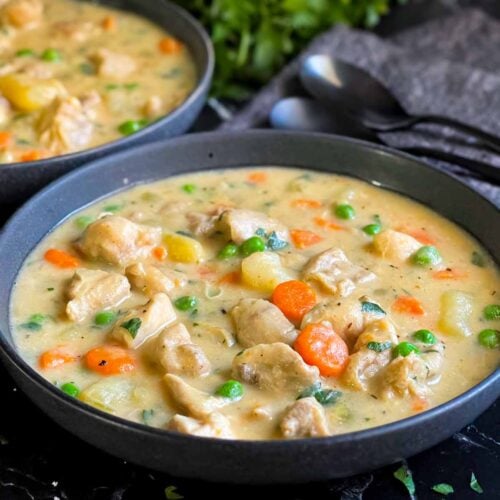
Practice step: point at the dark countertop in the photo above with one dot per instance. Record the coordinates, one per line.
(39, 460)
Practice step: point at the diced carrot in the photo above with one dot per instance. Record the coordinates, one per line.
(419, 404)
(32, 155)
(449, 274)
(408, 305)
(110, 360)
(170, 45)
(302, 238)
(5, 139)
(232, 278)
(61, 259)
(320, 346)
(159, 253)
(420, 235)
(294, 299)
(327, 224)
(257, 177)
(54, 358)
(205, 271)
(306, 203)
(109, 23)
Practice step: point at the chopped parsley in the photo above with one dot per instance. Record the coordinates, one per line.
(404, 475)
(132, 326)
(371, 307)
(324, 397)
(478, 259)
(379, 346)
(35, 322)
(272, 240)
(147, 416)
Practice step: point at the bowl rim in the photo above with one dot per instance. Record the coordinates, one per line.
(203, 83)
(405, 424)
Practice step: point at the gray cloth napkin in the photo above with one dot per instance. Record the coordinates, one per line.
(449, 66)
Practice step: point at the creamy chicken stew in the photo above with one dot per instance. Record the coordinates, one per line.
(74, 75)
(257, 304)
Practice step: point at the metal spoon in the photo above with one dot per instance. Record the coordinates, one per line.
(300, 113)
(340, 83)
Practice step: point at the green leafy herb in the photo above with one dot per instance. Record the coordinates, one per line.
(443, 488)
(112, 86)
(83, 221)
(87, 69)
(478, 259)
(132, 325)
(113, 208)
(371, 307)
(25, 53)
(324, 397)
(379, 346)
(275, 243)
(147, 416)
(474, 484)
(171, 493)
(404, 475)
(35, 322)
(130, 86)
(261, 232)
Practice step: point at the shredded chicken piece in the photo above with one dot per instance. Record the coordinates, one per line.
(304, 418)
(113, 64)
(214, 425)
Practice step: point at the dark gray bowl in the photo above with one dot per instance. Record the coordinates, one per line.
(245, 461)
(20, 180)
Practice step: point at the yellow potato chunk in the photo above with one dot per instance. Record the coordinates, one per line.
(112, 394)
(29, 94)
(455, 313)
(183, 248)
(263, 271)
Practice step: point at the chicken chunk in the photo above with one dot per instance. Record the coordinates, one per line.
(22, 13)
(304, 418)
(405, 376)
(65, 125)
(205, 224)
(113, 64)
(91, 291)
(76, 30)
(190, 401)
(336, 273)
(151, 280)
(215, 425)
(259, 321)
(5, 110)
(144, 322)
(381, 331)
(154, 106)
(118, 241)
(275, 367)
(394, 245)
(178, 354)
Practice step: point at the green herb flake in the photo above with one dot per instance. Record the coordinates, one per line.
(404, 475)
(25, 53)
(113, 208)
(372, 308)
(112, 86)
(474, 484)
(325, 397)
(132, 326)
(379, 346)
(478, 259)
(35, 322)
(87, 69)
(131, 86)
(443, 489)
(274, 242)
(83, 221)
(261, 232)
(50, 289)
(171, 493)
(147, 416)
(189, 188)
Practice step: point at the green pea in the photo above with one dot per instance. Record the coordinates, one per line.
(427, 256)
(372, 229)
(492, 312)
(489, 338)
(425, 336)
(186, 303)
(345, 211)
(405, 349)
(51, 55)
(252, 245)
(231, 389)
(25, 53)
(189, 188)
(104, 318)
(70, 389)
(132, 126)
(83, 221)
(228, 252)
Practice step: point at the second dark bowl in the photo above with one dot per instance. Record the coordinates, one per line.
(20, 180)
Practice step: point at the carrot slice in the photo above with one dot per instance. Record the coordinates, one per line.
(232, 278)
(109, 23)
(54, 358)
(294, 299)
(32, 155)
(110, 360)
(306, 203)
(419, 404)
(170, 46)
(257, 177)
(302, 238)
(327, 224)
(61, 259)
(408, 305)
(5, 139)
(449, 274)
(420, 235)
(159, 253)
(319, 345)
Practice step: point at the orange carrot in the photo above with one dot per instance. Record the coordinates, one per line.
(408, 305)
(294, 299)
(327, 224)
(5, 139)
(449, 274)
(420, 235)
(305, 203)
(319, 345)
(303, 239)
(419, 404)
(257, 177)
(54, 358)
(61, 259)
(170, 46)
(109, 23)
(32, 155)
(205, 271)
(110, 360)
(159, 253)
(232, 278)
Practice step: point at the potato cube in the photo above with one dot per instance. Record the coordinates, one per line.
(183, 248)
(455, 313)
(263, 271)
